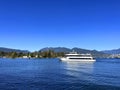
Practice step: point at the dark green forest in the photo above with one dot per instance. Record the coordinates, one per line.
(36, 54)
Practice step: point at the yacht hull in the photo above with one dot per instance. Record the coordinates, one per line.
(77, 60)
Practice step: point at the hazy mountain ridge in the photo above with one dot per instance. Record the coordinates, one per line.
(113, 51)
(3, 49)
(56, 49)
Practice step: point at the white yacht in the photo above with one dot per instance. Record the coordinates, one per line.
(74, 56)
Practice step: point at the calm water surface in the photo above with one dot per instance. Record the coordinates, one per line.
(51, 74)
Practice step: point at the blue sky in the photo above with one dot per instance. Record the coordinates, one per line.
(34, 24)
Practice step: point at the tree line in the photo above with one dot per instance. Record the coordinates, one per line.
(36, 54)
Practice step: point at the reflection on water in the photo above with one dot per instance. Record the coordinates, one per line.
(79, 65)
(80, 70)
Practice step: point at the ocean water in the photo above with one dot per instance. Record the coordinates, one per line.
(52, 74)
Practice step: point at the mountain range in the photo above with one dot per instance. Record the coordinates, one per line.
(3, 49)
(95, 53)
(114, 51)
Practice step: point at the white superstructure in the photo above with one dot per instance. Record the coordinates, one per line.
(78, 57)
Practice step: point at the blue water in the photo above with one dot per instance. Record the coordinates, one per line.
(51, 74)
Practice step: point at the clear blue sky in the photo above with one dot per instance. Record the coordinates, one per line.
(34, 24)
